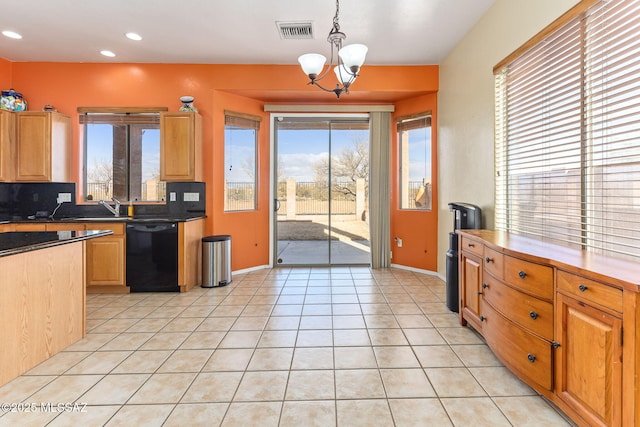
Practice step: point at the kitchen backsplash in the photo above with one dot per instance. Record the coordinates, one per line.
(21, 200)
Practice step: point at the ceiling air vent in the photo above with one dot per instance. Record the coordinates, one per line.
(295, 30)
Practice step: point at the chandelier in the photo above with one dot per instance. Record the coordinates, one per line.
(349, 60)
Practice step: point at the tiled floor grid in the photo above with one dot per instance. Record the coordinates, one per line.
(283, 347)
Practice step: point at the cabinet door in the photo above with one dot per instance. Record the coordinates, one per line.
(180, 147)
(589, 361)
(7, 138)
(105, 257)
(470, 289)
(190, 254)
(106, 260)
(33, 147)
(42, 146)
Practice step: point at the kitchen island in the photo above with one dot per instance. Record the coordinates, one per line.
(42, 304)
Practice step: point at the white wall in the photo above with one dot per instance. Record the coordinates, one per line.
(465, 105)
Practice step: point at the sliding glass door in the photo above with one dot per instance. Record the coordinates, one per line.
(321, 167)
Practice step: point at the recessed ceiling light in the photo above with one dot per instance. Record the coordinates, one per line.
(133, 36)
(12, 34)
(108, 53)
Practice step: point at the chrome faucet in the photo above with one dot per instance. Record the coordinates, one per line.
(114, 210)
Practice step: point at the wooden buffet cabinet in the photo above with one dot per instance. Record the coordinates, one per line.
(563, 320)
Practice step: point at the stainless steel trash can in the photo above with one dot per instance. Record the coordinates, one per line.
(216, 261)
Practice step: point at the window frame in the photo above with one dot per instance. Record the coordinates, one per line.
(423, 193)
(113, 116)
(242, 121)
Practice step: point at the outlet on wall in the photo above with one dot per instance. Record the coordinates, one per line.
(64, 198)
(191, 197)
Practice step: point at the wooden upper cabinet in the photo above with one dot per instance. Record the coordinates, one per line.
(7, 137)
(43, 147)
(180, 146)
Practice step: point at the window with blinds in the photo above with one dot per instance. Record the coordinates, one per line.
(240, 153)
(567, 129)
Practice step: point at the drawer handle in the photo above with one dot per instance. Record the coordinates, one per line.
(522, 274)
(485, 286)
(582, 288)
(531, 357)
(533, 315)
(488, 260)
(471, 245)
(482, 318)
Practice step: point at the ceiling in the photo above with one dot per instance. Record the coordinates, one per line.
(397, 32)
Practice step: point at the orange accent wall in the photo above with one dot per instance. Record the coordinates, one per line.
(5, 74)
(243, 88)
(417, 229)
(249, 230)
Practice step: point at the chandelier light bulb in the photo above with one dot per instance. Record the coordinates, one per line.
(312, 64)
(344, 76)
(353, 56)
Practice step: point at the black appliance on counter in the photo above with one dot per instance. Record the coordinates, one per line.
(152, 257)
(466, 216)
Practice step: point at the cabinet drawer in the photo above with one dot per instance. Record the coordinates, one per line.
(471, 246)
(64, 226)
(118, 229)
(530, 277)
(586, 289)
(531, 313)
(526, 354)
(493, 263)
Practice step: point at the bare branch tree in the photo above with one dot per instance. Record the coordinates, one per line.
(346, 168)
(101, 172)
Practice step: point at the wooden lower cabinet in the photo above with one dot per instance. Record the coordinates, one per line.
(564, 321)
(470, 276)
(106, 260)
(190, 235)
(589, 361)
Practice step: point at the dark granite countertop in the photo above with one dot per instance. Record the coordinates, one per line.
(12, 243)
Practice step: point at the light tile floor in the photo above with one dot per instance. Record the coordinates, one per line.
(283, 347)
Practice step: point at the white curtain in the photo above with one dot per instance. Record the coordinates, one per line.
(379, 195)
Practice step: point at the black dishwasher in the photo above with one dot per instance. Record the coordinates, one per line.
(152, 257)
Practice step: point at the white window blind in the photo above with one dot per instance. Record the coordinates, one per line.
(567, 129)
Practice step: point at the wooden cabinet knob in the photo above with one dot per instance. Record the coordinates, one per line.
(531, 357)
(582, 288)
(533, 315)
(522, 274)
(488, 260)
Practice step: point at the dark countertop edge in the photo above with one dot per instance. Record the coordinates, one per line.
(78, 237)
(107, 219)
